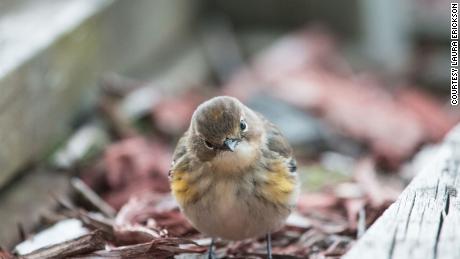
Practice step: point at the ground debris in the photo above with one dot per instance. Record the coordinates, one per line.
(135, 166)
(158, 248)
(5, 254)
(306, 70)
(78, 246)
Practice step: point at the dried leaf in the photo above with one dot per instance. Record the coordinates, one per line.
(135, 166)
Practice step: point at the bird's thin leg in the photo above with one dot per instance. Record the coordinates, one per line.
(211, 250)
(269, 246)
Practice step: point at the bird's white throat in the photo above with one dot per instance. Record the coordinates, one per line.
(241, 158)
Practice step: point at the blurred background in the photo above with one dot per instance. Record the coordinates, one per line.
(102, 89)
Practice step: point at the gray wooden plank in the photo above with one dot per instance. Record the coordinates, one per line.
(424, 221)
(24, 201)
(52, 54)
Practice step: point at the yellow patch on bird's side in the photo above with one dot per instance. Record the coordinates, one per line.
(280, 184)
(182, 191)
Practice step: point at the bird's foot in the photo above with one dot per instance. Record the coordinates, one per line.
(269, 246)
(211, 254)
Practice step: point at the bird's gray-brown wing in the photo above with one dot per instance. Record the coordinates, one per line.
(181, 148)
(281, 185)
(180, 174)
(278, 144)
(179, 153)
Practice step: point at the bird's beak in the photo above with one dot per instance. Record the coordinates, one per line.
(230, 144)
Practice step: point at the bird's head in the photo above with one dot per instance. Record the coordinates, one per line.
(223, 127)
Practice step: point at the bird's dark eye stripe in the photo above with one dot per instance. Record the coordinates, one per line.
(208, 144)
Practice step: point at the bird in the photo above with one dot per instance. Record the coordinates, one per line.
(233, 173)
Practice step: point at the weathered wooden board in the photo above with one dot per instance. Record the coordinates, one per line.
(52, 54)
(24, 201)
(425, 220)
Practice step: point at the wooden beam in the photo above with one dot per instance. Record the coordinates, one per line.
(25, 200)
(425, 220)
(53, 53)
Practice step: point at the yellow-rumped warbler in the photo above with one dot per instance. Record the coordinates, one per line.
(233, 173)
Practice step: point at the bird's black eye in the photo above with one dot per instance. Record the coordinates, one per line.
(208, 144)
(243, 125)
